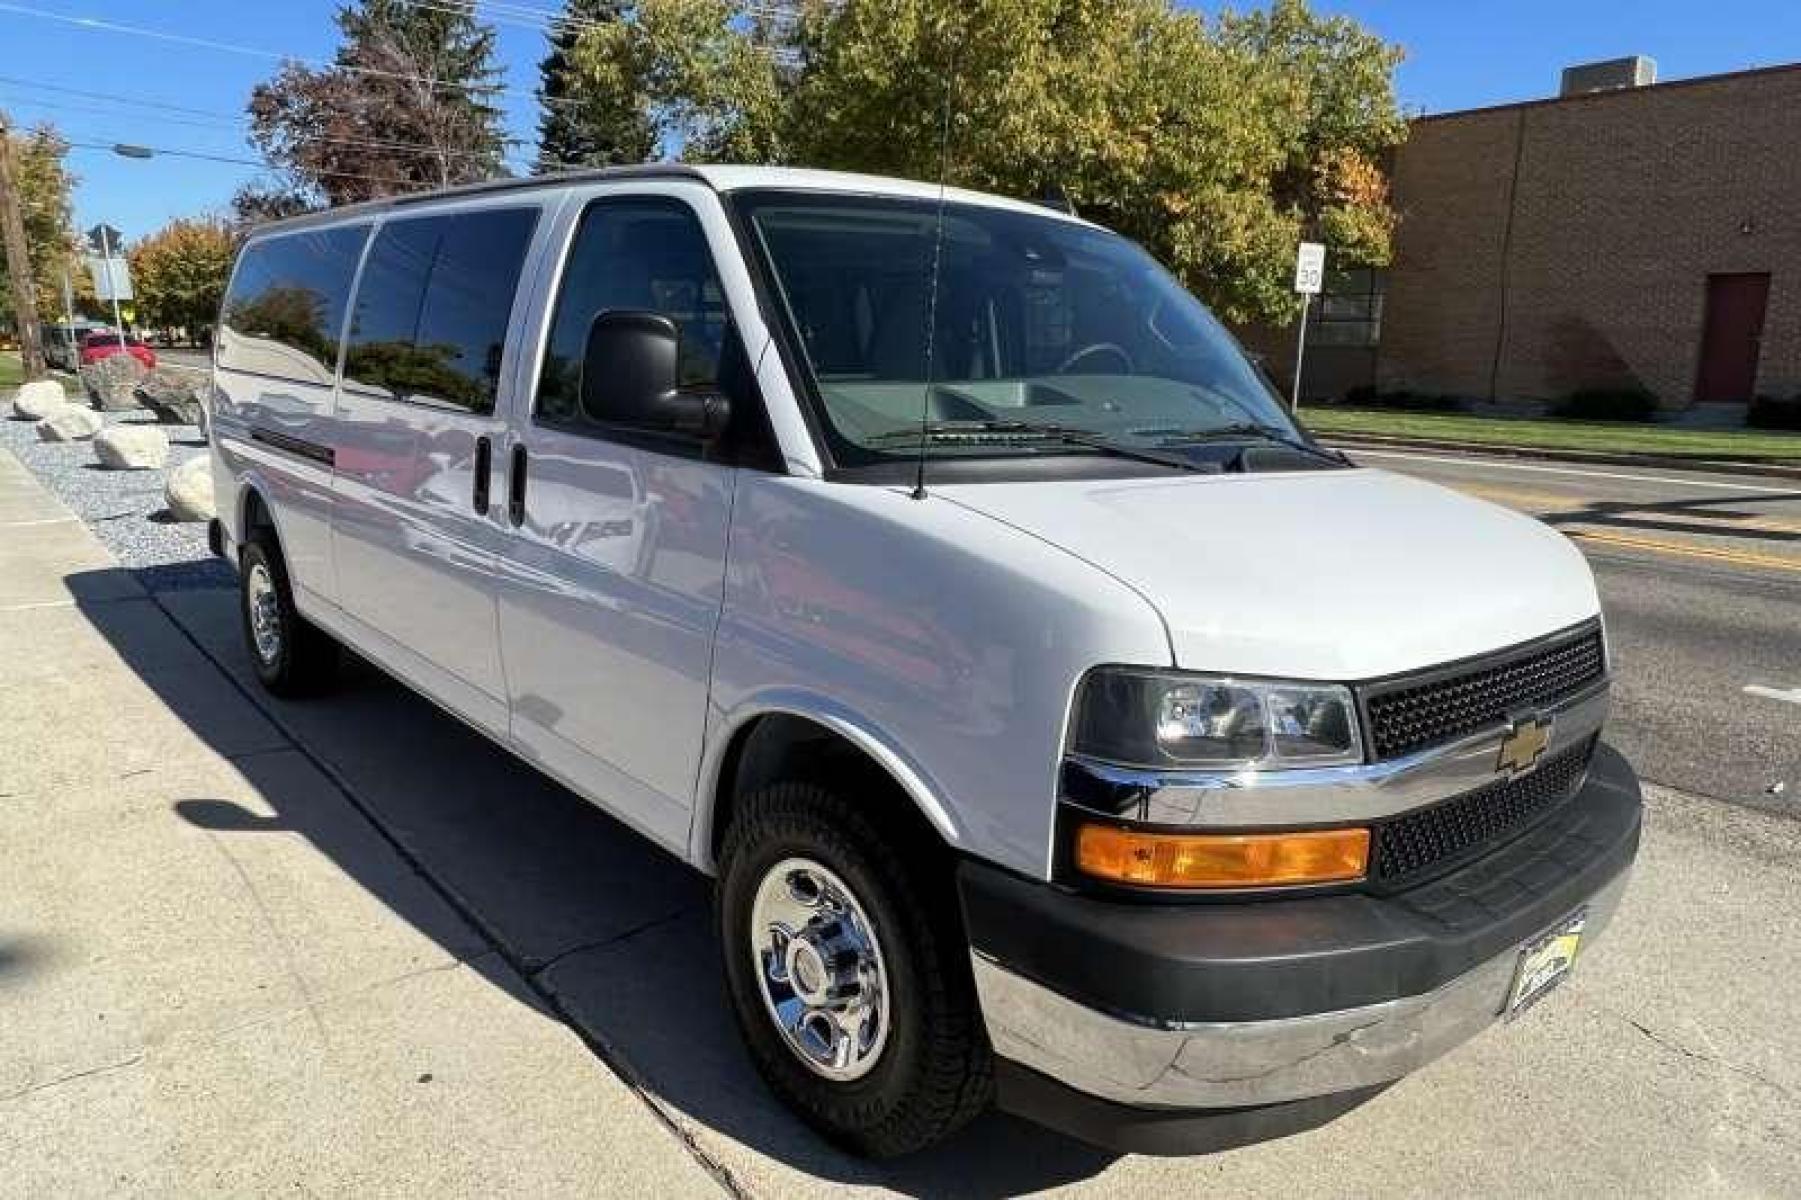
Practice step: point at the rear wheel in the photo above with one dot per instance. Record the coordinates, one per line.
(848, 969)
(292, 656)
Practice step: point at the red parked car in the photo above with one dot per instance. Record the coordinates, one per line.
(102, 344)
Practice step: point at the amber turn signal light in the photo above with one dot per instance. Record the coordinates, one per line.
(1221, 860)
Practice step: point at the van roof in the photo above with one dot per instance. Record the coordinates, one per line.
(720, 177)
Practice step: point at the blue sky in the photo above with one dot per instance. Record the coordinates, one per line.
(1460, 54)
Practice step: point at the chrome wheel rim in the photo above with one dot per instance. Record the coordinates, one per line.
(264, 606)
(820, 966)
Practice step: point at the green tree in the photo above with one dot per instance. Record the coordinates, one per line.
(581, 127)
(699, 69)
(1336, 119)
(291, 315)
(45, 189)
(407, 105)
(179, 273)
(1217, 144)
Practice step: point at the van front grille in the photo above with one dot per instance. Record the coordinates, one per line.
(1413, 712)
(1429, 841)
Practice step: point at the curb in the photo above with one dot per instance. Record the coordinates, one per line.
(1601, 458)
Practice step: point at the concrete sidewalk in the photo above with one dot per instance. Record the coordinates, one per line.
(196, 994)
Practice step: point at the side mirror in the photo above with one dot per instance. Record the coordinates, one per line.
(629, 377)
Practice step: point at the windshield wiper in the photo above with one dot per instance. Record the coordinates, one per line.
(1067, 434)
(1267, 433)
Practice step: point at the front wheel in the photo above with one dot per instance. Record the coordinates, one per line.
(292, 656)
(848, 970)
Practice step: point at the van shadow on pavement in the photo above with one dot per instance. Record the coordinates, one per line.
(613, 932)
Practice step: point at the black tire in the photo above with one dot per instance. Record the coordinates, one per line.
(935, 1072)
(304, 661)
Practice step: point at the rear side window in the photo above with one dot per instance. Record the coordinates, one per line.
(645, 254)
(433, 305)
(285, 309)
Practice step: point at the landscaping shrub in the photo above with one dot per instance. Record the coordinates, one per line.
(1607, 404)
(1768, 412)
(1365, 396)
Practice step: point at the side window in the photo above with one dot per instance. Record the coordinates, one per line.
(285, 308)
(433, 305)
(639, 254)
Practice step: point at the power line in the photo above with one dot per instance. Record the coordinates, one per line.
(243, 162)
(94, 24)
(52, 87)
(160, 118)
(222, 119)
(213, 115)
(516, 13)
(238, 124)
(97, 25)
(518, 156)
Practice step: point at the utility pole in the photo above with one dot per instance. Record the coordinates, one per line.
(18, 261)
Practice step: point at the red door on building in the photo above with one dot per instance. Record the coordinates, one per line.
(1731, 336)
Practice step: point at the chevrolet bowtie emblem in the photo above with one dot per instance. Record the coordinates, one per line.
(1524, 744)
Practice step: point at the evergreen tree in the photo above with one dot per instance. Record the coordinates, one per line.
(407, 104)
(581, 127)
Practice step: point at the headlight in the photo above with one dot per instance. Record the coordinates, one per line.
(1146, 718)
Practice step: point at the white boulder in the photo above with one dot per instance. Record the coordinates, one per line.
(189, 490)
(36, 400)
(70, 423)
(131, 448)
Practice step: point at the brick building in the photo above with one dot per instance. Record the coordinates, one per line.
(1646, 236)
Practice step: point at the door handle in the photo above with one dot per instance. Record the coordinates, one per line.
(484, 468)
(516, 486)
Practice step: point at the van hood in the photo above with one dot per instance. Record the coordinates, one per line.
(1340, 575)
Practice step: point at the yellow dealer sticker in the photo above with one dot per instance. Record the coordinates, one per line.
(1544, 962)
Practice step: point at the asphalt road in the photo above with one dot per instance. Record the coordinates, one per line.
(185, 357)
(1700, 578)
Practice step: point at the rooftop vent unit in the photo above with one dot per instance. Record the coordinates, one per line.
(1615, 73)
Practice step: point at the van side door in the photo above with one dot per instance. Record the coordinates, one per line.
(421, 414)
(612, 580)
(280, 331)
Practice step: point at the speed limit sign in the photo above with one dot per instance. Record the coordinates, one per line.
(1309, 277)
(1309, 268)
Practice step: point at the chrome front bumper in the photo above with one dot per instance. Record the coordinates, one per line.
(1136, 1061)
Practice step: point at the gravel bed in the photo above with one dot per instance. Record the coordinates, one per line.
(125, 509)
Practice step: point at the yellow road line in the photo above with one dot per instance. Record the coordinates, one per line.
(1741, 557)
(1703, 517)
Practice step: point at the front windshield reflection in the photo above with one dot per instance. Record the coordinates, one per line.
(1038, 321)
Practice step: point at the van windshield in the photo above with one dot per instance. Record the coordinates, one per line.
(1047, 336)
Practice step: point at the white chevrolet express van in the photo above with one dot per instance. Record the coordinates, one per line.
(1062, 725)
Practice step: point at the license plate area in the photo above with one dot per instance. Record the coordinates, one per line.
(1545, 962)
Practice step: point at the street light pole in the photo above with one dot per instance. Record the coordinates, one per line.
(18, 261)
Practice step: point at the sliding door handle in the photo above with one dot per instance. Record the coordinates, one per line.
(516, 486)
(484, 472)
